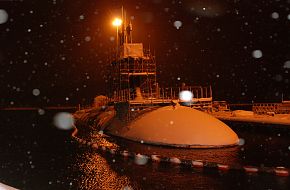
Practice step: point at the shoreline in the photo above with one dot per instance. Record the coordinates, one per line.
(279, 119)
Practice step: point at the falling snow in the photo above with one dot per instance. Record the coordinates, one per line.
(3, 16)
(190, 39)
(275, 15)
(41, 111)
(287, 65)
(87, 38)
(63, 121)
(257, 54)
(57, 52)
(177, 24)
(241, 142)
(112, 38)
(36, 92)
(82, 17)
(141, 159)
(278, 78)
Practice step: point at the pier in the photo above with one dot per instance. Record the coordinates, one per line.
(44, 108)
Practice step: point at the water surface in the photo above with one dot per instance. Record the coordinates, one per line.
(36, 155)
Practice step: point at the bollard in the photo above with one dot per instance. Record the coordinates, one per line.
(223, 167)
(281, 171)
(250, 169)
(175, 160)
(197, 163)
(155, 158)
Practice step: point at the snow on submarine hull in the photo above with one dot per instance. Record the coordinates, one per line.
(178, 126)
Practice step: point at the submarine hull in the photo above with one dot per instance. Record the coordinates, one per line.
(177, 126)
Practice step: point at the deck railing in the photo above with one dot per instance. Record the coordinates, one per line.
(201, 95)
(266, 108)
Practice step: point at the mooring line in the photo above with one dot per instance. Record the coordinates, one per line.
(142, 159)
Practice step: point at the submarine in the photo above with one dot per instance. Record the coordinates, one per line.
(142, 111)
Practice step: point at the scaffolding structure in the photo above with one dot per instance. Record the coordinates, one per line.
(133, 80)
(136, 90)
(129, 73)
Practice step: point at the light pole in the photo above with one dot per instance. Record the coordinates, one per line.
(117, 22)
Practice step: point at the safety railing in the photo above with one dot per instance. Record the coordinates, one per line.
(200, 94)
(265, 108)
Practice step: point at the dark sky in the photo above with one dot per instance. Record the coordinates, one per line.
(56, 51)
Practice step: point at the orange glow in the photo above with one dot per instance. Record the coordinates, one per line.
(117, 22)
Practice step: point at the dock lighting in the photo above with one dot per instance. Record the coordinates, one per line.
(117, 22)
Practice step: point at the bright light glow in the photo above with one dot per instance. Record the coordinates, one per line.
(117, 22)
(185, 96)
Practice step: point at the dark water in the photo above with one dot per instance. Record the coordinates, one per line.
(35, 155)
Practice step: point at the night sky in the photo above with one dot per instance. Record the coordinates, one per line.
(56, 52)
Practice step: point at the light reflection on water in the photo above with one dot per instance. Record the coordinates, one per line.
(104, 171)
(96, 173)
(168, 176)
(36, 156)
(107, 172)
